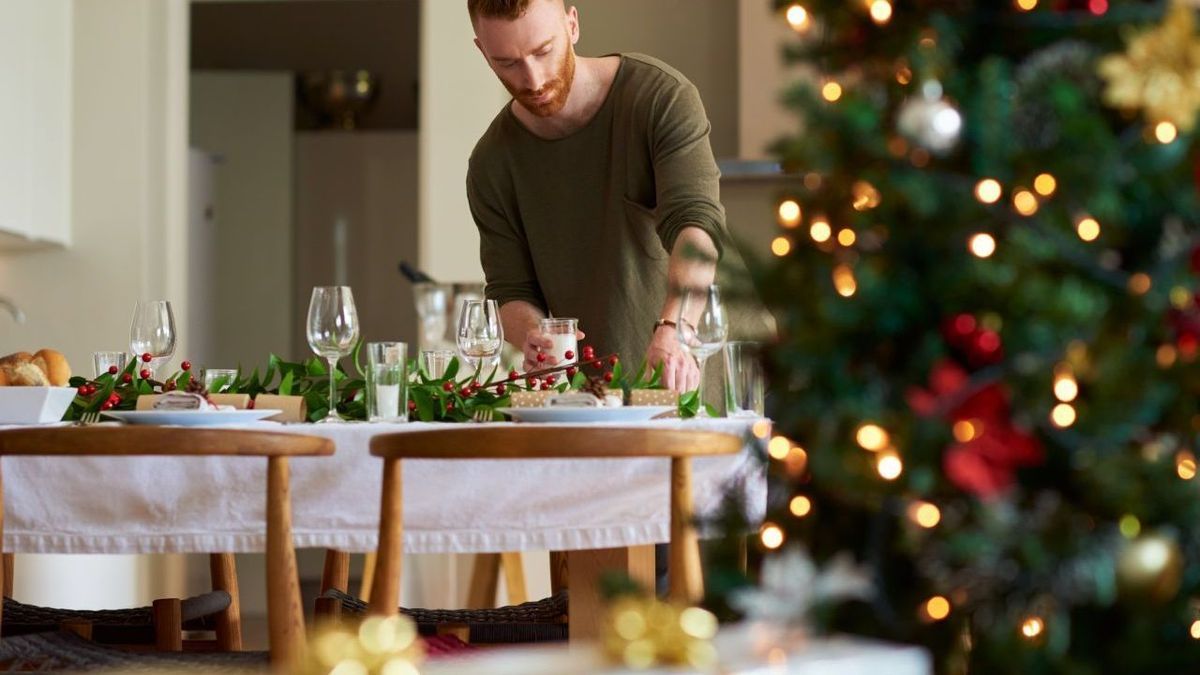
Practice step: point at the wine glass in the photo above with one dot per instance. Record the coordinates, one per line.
(480, 334)
(702, 328)
(332, 333)
(152, 332)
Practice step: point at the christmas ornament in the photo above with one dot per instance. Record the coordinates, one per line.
(929, 120)
(1159, 73)
(644, 632)
(380, 645)
(1150, 569)
(792, 586)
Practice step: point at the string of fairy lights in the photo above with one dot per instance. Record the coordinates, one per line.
(1025, 199)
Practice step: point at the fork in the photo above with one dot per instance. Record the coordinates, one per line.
(482, 415)
(88, 418)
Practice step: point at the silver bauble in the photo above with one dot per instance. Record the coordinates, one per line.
(930, 121)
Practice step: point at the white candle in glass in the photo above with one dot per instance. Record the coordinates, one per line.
(562, 332)
(387, 397)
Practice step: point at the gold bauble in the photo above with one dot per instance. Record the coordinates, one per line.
(1150, 569)
(1159, 72)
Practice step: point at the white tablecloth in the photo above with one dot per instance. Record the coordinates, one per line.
(162, 504)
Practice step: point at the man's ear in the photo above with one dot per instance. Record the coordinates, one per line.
(573, 24)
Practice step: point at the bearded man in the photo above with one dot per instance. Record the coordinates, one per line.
(594, 190)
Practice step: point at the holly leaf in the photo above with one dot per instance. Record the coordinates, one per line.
(451, 370)
(424, 401)
(285, 386)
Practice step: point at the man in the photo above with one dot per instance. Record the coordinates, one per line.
(594, 190)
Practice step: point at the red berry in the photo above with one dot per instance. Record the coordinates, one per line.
(569, 355)
(412, 406)
(608, 377)
(106, 406)
(500, 389)
(146, 358)
(545, 386)
(127, 378)
(447, 386)
(597, 364)
(114, 399)
(83, 390)
(251, 404)
(186, 365)
(449, 406)
(552, 379)
(612, 360)
(513, 375)
(571, 371)
(113, 370)
(475, 385)
(170, 385)
(541, 358)
(145, 374)
(531, 382)
(588, 349)
(465, 391)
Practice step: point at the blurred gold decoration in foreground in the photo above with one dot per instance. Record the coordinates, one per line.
(380, 646)
(1150, 568)
(645, 632)
(1159, 73)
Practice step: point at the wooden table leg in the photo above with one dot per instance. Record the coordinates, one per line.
(223, 572)
(513, 565)
(683, 570)
(368, 576)
(485, 573)
(285, 616)
(385, 590)
(337, 571)
(558, 571)
(586, 608)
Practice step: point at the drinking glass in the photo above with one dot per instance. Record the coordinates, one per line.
(562, 333)
(102, 361)
(744, 385)
(702, 327)
(220, 378)
(432, 301)
(152, 332)
(435, 362)
(387, 393)
(332, 333)
(480, 335)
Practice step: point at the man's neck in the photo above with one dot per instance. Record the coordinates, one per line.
(593, 79)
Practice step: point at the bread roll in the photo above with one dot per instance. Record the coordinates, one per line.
(54, 365)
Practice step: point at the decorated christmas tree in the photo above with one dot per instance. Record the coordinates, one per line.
(987, 385)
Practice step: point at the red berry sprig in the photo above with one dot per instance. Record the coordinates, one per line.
(147, 358)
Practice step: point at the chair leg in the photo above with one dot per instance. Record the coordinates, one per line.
(683, 570)
(223, 571)
(328, 612)
(514, 577)
(9, 566)
(587, 609)
(81, 628)
(368, 576)
(385, 591)
(558, 571)
(481, 594)
(168, 625)
(285, 616)
(4, 561)
(336, 574)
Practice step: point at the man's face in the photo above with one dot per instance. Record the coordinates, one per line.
(533, 55)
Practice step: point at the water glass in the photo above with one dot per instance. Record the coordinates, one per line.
(745, 386)
(435, 362)
(432, 302)
(219, 380)
(563, 333)
(480, 334)
(702, 327)
(332, 329)
(152, 332)
(387, 390)
(103, 361)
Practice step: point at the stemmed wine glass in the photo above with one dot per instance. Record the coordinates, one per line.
(152, 332)
(702, 328)
(480, 334)
(332, 333)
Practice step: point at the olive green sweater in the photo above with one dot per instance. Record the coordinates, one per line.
(582, 226)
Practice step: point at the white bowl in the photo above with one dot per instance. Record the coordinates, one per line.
(34, 405)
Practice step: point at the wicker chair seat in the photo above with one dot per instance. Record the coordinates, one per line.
(537, 621)
(66, 651)
(112, 626)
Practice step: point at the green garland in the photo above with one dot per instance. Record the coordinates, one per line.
(430, 399)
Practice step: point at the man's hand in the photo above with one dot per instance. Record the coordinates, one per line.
(538, 342)
(680, 372)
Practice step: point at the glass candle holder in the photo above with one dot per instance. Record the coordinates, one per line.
(562, 332)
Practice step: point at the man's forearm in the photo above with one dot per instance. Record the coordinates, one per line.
(519, 317)
(693, 264)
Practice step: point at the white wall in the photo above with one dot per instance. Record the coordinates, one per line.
(762, 34)
(459, 97)
(128, 213)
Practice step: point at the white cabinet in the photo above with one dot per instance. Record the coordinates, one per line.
(35, 122)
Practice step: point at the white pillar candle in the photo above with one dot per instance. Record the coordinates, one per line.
(563, 343)
(387, 401)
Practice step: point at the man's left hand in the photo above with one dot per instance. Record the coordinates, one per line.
(680, 372)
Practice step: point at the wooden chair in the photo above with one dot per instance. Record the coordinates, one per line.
(532, 442)
(285, 615)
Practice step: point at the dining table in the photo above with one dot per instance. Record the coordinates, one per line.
(608, 512)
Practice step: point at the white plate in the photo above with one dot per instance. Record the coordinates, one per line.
(189, 418)
(550, 415)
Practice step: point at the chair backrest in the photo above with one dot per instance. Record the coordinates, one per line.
(167, 441)
(548, 442)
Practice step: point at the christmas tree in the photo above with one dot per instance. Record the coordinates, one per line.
(987, 386)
